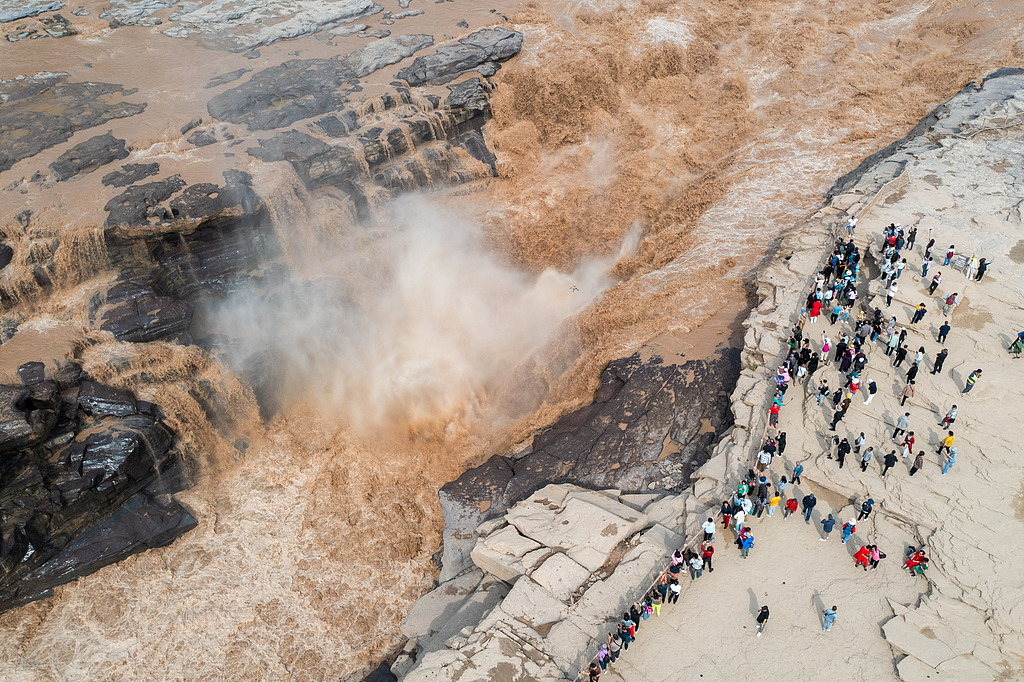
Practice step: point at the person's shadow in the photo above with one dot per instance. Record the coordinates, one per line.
(754, 606)
(819, 607)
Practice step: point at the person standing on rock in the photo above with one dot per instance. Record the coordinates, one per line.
(950, 303)
(614, 647)
(863, 556)
(809, 501)
(950, 460)
(842, 451)
(918, 463)
(902, 424)
(911, 238)
(908, 444)
(762, 620)
(738, 518)
(890, 293)
(890, 462)
(673, 591)
(936, 281)
(972, 267)
(849, 528)
(709, 530)
(746, 542)
(830, 618)
(925, 264)
(662, 587)
(696, 567)
(774, 502)
(797, 470)
(971, 380)
(946, 443)
(865, 509)
(943, 332)
(908, 391)
(791, 505)
(901, 355)
(823, 391)
(982, 268)
(872, 390)
(707, 550)
(603, 654)
(827, 525)
(949, 255)
(858, 444)
(950, 418)
(940, 359)
(919, 314)
(726, 513)
(866, 458)
(773, 416)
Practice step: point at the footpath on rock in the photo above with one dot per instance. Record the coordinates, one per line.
(553, 576)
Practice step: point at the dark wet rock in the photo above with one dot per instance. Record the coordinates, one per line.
(195, 122)
(381, 674)
(84, 476)
(99, 400)
(649, 427)
(492, 45)
(147, 317)
(24, 217)
(202, 138)
(86, 156)
(32, 373)
(12, 10)
(225, 78)
(44, 111)
(130, 173)
(303, 88)
(139, 203)
(6, 254)
(340, 124)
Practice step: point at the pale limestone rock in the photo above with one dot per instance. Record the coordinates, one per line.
(532, 604)
(587, 525)
(560, 576)
(500, 552)
(435, 608)
(917, 642)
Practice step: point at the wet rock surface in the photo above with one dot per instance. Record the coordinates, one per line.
(43, 111)
(302, 88)
(486, 46)
(89, 155)
(130, 173)
(85, 477)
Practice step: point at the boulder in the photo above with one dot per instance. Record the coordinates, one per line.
(130, 173)
(86, 156)
(487, 45)
(12, 10)
(433, 610)
(500, 553)
(560, 575)
(587, 528)
(99, 400)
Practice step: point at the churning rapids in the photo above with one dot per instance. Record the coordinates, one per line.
(647, 155)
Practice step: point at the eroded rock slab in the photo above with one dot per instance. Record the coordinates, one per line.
(303, 88)
(86, 156)
(487, 46)
(43, 111)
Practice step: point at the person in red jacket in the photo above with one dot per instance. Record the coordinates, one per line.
(815, 311)
(791, 505)
(862, 556)
(707, 550)
(773, 416)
